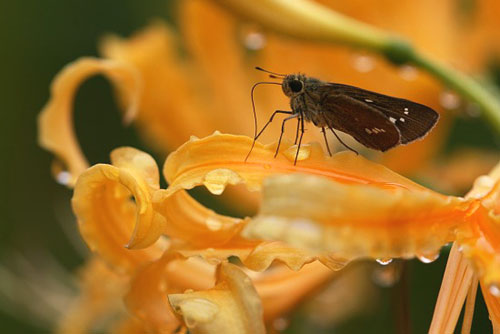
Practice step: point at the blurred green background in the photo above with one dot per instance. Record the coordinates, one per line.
(37, 39)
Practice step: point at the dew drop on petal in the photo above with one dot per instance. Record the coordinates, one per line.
(63, 178)
(386, 276)
(449, 100)
(494, 289)
(409, 73)
(280, 324)
(213, 224)
(254, 41)
(304, 153)
(363, 63)
(428, 258)
(216, 180)
(483, 185)
(61, 173)
(384, 261)
(473, 109)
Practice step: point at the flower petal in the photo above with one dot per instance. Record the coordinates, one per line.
(281, 289)
(353, 221)
(107, 217)
(146, 298)
(56, 132)
(219, 159)
(480, 239)
(493, 304)
(100, 289)
(232, 306)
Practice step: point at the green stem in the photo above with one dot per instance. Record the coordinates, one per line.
(313, 22)
(463, 85)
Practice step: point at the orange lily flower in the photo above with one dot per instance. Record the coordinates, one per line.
(303, 219)
(315, 216)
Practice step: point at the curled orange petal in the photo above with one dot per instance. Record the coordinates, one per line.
(105, 213)
(232, 306)
(56, 132)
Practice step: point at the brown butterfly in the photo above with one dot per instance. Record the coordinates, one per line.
(377, 121)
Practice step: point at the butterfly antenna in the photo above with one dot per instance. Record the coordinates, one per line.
(274, 73)
(255, 114)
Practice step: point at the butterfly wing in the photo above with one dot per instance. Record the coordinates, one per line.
(366, 124)
(413, 120)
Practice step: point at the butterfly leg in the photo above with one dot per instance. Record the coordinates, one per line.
(283, 131)
(297, 132)
(326, 141)
(300, 139)
(340, 140)
(265, 126)
(271, 119)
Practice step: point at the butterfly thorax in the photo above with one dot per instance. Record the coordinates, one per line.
(305, 97)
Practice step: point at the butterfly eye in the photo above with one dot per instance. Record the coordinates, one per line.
(296, 86)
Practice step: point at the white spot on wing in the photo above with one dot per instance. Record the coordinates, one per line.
(392, 119)
(406, 109)
(374, 131)
(368, 100)
(402, 119)
(406, 112)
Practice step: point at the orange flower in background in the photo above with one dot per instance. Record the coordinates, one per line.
(208, 88)
(167, 257)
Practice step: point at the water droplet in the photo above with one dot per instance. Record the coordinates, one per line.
(482, 185)
(304, 153)
(280, 324)
(213, 223)
(304, 234)
(449, 100)
(473, 109)
(386, 276)
(408, 73)
(363, 63)
(384, 261)
(216, 180)
(63, 178)
(494, 289)
(255, 41)
(428, 258)
(60, 173)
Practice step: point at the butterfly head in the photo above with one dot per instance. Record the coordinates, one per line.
(293, 84)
